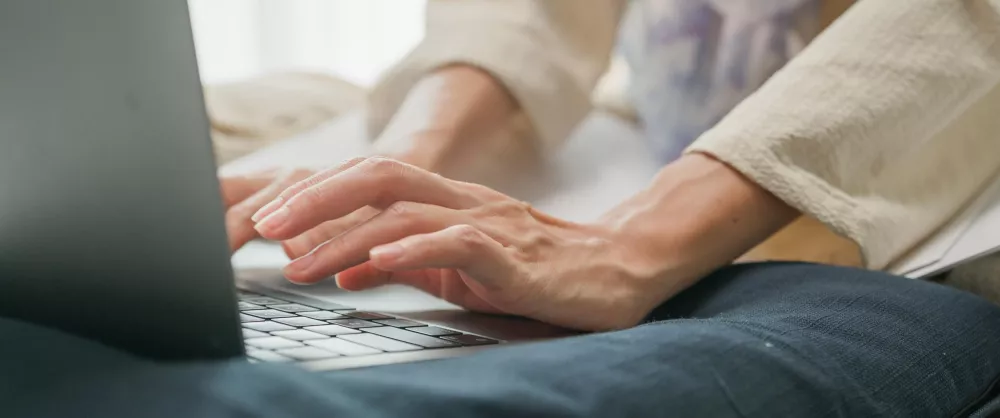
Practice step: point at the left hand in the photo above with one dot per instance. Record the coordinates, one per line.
(465, 243)
(244, 195)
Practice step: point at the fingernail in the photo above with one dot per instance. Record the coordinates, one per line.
(273, 221)
(267, 209)
(301, 264)
(386, 253)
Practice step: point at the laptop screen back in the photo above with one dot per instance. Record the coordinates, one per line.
(111, 222)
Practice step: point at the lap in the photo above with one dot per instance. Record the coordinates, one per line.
(752, 340)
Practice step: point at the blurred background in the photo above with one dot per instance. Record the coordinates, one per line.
(352, 40)
(274, 69)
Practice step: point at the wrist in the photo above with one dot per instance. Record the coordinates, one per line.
(697, 215)
(431, 150)
(451, 113)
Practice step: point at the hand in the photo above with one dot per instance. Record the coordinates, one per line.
(245, 194)
(464, 243)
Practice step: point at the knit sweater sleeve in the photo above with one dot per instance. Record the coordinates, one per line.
(883, 128)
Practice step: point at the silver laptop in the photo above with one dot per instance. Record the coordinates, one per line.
(111, 221)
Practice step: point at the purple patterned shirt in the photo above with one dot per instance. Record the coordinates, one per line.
(692, 61)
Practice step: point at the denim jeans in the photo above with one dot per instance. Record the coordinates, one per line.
(756, 340)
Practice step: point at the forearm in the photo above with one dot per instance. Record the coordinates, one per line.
(447, 116)
(548, 55)
(697, 215)
(883, 128)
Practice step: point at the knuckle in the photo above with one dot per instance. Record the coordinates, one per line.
(298, 175)
(300, 185)
(296, 248)
(404, 210)
(384, 175)
(380, 166)
(353, 162)
(310, 197)
(469, 235)
(506, 208)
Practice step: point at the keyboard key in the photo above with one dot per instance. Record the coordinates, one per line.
(269, 356)
(269, 314)
(346, 348)
(264, 300)
(249, 333)
(321, 315)
(367, 315)
(353, 323)
(267, 326)
(272, 343)
(299, 335)
(332, 330)
(411, 337)
(466, 339)
(379, 342)
(433, 331)
(307, 353)
(399, 323)
(292, 307)
(248, 318)
(243, 306)
(300, 321)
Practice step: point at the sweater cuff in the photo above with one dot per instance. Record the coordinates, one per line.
(550, 99)
(798, 188)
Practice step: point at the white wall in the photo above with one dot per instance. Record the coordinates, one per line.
(353, 39)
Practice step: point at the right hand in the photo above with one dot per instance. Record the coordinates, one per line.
(469, 245)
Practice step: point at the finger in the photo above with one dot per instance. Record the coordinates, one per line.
(462, 247)
(298, 187)
(239, 227)
(362, 277)
(366, 276)
(309, 240)
(377, 183)
(351, 248)
(236, 189)
(439, 283)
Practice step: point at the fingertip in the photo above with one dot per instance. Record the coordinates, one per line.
(361, 277)
(349, 282)
(238, 237)
(267, 209)
(300, 278)
(235, 245)
(300, 270)
(273, 224)
(386, 256)
(290, 251)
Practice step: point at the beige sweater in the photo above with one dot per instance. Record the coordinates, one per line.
(882, 129)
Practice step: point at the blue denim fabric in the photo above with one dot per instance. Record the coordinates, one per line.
(758, 340)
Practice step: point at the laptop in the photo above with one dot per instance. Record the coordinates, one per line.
(111, 220)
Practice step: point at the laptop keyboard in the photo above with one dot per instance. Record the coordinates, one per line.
(276, 330)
